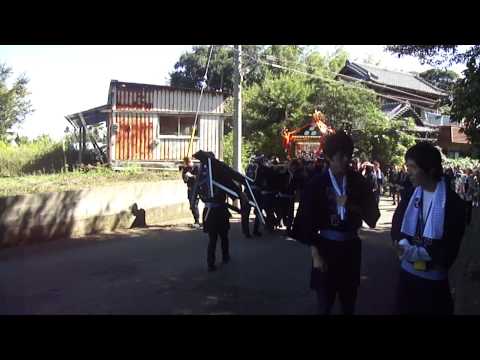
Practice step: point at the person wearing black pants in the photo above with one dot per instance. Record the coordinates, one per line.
(216, 222)
(189, 176)
(251, 172)
(246, 221)
(342, 276)
(469, 193)
(332, 208)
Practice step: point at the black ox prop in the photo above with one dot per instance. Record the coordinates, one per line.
(215, 174)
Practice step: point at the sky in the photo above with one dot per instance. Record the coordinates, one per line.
(65, 79)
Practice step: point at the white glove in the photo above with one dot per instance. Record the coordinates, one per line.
(413, 252)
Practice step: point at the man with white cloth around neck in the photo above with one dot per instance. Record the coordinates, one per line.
(333, 206)
(427, 228)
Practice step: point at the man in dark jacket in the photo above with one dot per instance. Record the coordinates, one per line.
(253, 173)
(216, 222)
(332, 208)
(427, 229)
(189, 176)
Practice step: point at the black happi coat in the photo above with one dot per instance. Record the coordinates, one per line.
(190, 181)
(444, 251)
(316, 207)
(218, 219)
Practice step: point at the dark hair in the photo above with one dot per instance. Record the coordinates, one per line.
(338, 142)
(427, 157)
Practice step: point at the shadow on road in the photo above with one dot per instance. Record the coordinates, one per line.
(162, 270)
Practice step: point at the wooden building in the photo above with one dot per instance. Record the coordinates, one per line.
(453, 142)
(403, 95)
(151, 125)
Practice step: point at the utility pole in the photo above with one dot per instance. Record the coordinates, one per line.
(237, 111)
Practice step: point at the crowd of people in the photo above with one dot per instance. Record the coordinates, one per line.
(464, 182)
(336, 195)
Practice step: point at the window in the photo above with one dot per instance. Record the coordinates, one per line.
(186, 125)
(168, 125)
(177, 125)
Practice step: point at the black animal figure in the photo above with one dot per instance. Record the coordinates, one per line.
(217, 174)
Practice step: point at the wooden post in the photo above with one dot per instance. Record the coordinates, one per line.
(80, 144)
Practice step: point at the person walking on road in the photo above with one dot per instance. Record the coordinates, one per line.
(333, 205)
(189, 176)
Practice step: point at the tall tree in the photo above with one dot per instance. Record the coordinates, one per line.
(288, 100)
(190, 68)
(280, 100)
(443, 79)
(466, 91)
(14, 102)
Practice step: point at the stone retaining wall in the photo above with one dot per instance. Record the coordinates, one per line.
(47, 216)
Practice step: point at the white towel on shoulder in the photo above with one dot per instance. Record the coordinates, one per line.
(434, 226)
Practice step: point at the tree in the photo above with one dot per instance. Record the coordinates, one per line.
(356, 109)
(279, 101)
(190, 68)
(14, 102)
(443, 79)
(247, 150)
(288, 99)
(436, 55)
(466, 105)
(466, 91)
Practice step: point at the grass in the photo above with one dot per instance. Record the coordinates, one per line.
(77, 180)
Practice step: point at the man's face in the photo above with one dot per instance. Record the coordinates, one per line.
(339, 162)
(417, 176)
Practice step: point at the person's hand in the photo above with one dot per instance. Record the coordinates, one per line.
(318, 261)
(400, 250)
(341, 200)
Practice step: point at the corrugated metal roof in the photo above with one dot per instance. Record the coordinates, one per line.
(141, 85)
(91, 116)
(124, 96)
(399, 79)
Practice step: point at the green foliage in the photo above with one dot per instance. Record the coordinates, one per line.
(14, 103)
(78, 180)
(346, 107)
(41, 155)
(462, 163)
(190, 68)
(466, 90)
(247, 150)
(443, 79)
(274, 98)
(466, 104)
(280, 101)
(430, 54)
(384, 140)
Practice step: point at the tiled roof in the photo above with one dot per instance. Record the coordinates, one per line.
(399, 79)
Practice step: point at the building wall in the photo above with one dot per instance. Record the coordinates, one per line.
(136, 111)
(137, 139)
